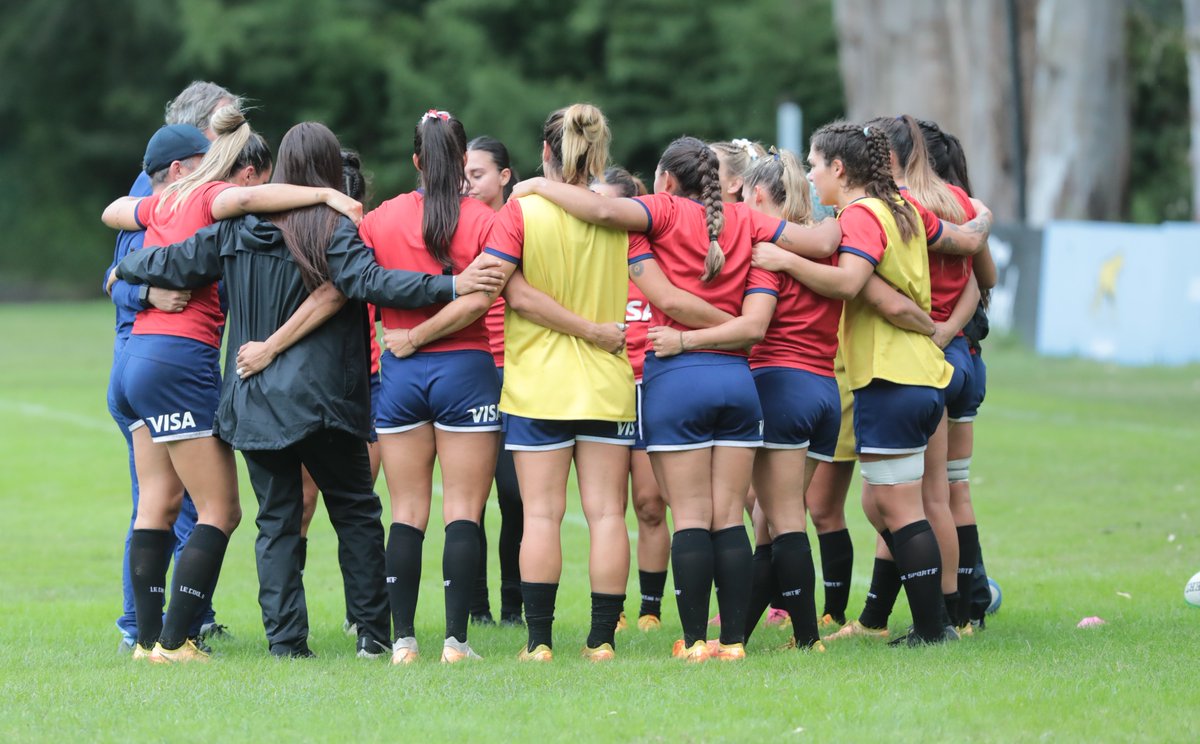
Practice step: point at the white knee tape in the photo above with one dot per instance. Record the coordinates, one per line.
(894, 471)
(959, 471)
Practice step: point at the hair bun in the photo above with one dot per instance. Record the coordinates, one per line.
(226, 120)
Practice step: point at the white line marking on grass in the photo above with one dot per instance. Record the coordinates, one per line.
(35, 410)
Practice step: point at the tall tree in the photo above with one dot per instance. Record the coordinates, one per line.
(1191, 11)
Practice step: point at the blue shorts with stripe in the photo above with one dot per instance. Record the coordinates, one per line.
(453, 390)
(892, 419)
(699, 399)
(800, 409)
(534, 435)
(640, 442)
(966, 390)
(169, 384)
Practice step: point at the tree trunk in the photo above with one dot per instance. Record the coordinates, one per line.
(1079, 144)
(1191, 15)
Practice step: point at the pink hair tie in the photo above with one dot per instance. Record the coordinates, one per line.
(435, 114)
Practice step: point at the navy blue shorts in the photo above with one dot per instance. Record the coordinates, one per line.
(640, 442)
(891, 419)
(537, 435)
(453, 390)
(800, 409)
(697, 400)
(962, 403)
(169, 384)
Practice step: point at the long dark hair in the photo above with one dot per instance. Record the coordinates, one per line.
(908, 145)
(864, 152)
(500, 157)
(354, 182)
(256, 152)
(440, 144)
(695, 167)
(309, 155)
(946, 155)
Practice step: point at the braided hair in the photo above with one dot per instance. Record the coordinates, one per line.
(695, 167)
(865, 155)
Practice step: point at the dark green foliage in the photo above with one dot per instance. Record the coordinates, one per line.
(84, 85)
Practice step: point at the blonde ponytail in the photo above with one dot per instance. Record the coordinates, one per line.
(783, 178)
(233, 131)
(578, 137)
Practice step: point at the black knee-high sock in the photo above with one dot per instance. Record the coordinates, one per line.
(460, 561)
(763, 587)
(692, 567)
(920, 562)
(837, 563)
(539, 612)
(512, 527)
(968, 556)
(606, 610)
(402, 562)
(652, 585)
(193, 581)
(797, 579)
(881, 596)
(981, 591)
(149, 556)
(303, 554)
(732, 572)
(479, 603)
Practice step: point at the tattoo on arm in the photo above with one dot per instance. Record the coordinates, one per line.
(637, 269)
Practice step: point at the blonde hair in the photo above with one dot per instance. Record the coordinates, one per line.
(783, 177)
(739, 155)
(578, 136)
(233, 132)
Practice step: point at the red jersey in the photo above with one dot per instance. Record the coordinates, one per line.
(375, 350)
(948, 274)
(804, 330)
(393, 230)
(637, 325)
(678, 238)
(201, 318)
(493, 320)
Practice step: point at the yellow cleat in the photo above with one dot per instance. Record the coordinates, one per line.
(454, 652)
(622, 623)
(603, 652)
(828, 623)
(647, 623)
(140, 652)
(405, 651)
(966, 630)
(186, 653)
(817, 647)
(696, 653)
(732, 652)
(856, 629)
(540, 652)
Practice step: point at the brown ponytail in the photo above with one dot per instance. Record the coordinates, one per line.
(695, 167)
(440, 144)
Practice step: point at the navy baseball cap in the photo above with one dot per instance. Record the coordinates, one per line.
(171, 143)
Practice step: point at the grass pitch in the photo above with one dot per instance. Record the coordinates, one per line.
(1085, 480)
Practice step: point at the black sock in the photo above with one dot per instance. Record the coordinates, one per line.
(479, 602)
(881, 596)
(606, 610)
(402, 561)
(692, 568)
(968, 556)
(837, 563)
(919, 563)
(510, 600)
(981, 590)
(652, 585)
(732, 573)
(512, 527)
(193, 582)
(762, 587)
(149, 556)
(950, 605)
(797, 578)
(539, 612)
(460, 565)
(303, 554)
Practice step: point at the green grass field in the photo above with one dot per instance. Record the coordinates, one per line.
(1085, 480)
